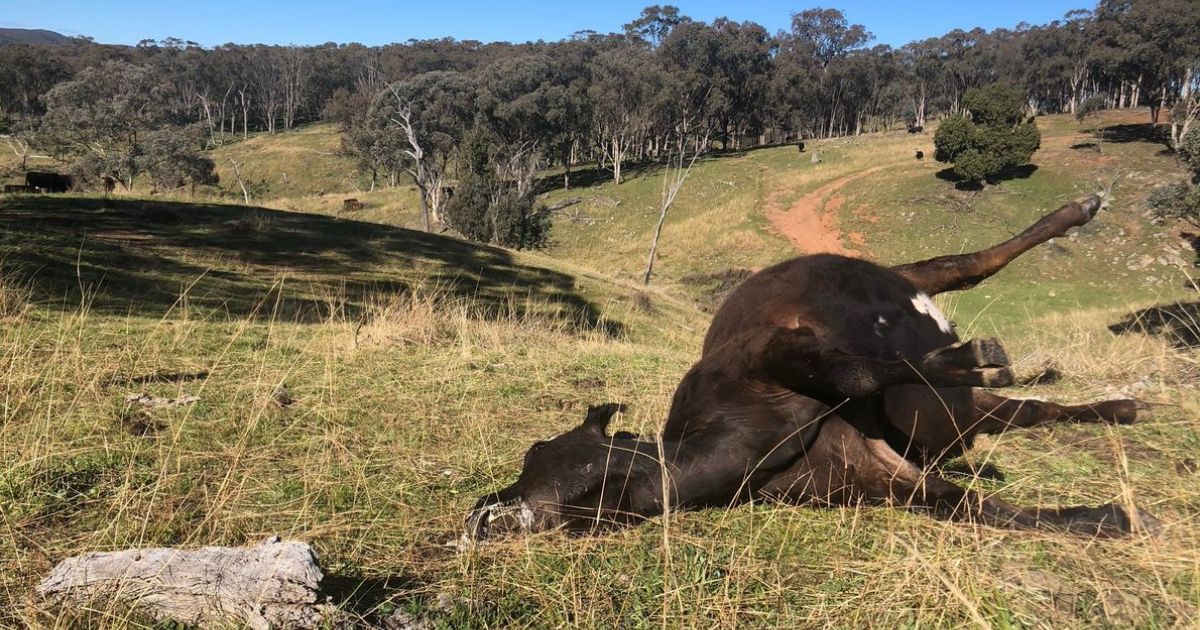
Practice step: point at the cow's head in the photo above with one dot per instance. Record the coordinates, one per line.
(580, 480)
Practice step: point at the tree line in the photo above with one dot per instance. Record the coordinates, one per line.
(604, 99)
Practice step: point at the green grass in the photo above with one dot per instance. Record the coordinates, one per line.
(424, 367)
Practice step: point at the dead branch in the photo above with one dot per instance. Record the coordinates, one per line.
(273, 584)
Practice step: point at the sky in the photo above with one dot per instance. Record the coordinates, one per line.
(373, 22)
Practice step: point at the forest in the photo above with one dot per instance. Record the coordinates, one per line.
(665, 83)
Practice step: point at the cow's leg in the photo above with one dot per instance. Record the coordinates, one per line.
(951, 273)
(794, 358)
(941, 423)
(844, 467)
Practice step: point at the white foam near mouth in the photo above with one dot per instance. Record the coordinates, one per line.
(925, 306)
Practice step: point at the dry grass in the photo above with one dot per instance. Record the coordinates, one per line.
(408, 412)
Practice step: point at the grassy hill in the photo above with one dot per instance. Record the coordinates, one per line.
(423, 367)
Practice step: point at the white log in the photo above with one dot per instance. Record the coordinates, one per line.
(271, 585)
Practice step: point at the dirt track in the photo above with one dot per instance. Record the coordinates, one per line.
(811, 222)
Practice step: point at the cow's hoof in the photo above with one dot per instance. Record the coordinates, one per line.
(1126, 411)
(968, 355)
(989, 353)
(1145, 523)
(995, 377)
(1090, 206)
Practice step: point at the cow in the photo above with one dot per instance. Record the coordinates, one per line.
(916, 128)
(48, 182)
(800, 146)
(823, 380)
(351, 205)
(920, 155)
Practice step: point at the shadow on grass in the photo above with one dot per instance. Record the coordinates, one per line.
(149, 257)
(1025, 171)
(368, 598)
(1178, 323)
(1142, 132)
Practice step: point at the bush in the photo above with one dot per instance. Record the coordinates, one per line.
(1179, 201)
(1189, 151)
(1090, 106)
(992, 140)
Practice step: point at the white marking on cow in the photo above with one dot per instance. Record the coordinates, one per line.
(879, 325)
(925, 306)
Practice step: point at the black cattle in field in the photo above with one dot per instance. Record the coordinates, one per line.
(916, 128)
(800, 145)
(920, 155)
(48, 182)
(823, 380)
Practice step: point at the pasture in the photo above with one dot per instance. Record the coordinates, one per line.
(422, 367)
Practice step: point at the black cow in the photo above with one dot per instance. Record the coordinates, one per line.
(823, 380)
(919, 154)
(916, 128)
(800, 145)
(48, 182)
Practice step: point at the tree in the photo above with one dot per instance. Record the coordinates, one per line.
(102, 115)
(991, 138)
(432, 111)
(828, 34)
(487, 209)
(173, 158)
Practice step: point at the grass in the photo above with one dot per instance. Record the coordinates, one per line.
(423, 367)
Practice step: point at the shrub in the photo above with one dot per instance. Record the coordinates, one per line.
(1178, 201)
(1090, 107)
(1189, 151)
(991, 139)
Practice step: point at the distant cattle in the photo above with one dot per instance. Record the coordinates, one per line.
(352, 205)
(800, 145)
(48, 182)
(916, 128)
(920, 154)
(17, 188)
(109, 182)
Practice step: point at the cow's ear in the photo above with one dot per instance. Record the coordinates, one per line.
(598, 416)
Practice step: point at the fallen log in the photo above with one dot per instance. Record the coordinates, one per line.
(271, 585)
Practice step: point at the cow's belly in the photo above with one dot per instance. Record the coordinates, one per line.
(852, 305)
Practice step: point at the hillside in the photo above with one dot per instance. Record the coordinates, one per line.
(868, 196)
(31, 36)
(423, 367)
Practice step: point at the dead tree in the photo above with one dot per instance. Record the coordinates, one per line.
(673, 177)
(237, 173)
(271, 585)
(428, 175)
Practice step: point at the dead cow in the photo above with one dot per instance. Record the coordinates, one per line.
(352, 205)
(823, 380)
(48, 182)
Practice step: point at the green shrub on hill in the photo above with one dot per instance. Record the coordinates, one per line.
(991, 139)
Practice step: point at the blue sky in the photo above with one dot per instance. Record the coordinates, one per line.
(212, 22)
